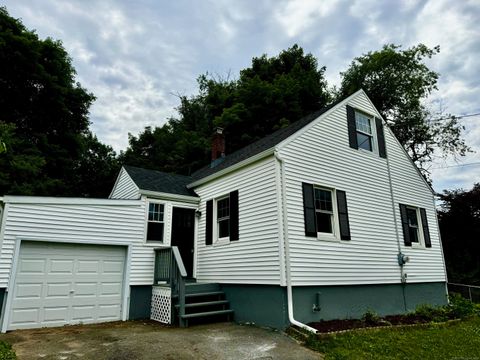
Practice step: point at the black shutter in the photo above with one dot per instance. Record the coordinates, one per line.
(209, 223)
(309, 210)
(343, 215)
(234, 215)
(381, 138)
(406, 233)
(426, 232)
(352, 127)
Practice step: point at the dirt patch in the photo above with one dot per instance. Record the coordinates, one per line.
(349, 324)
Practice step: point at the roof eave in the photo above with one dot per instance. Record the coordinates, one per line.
(169, 196)
(233, 167)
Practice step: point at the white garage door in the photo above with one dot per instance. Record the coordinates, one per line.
(58, 284)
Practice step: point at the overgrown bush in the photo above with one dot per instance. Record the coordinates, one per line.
(6, 351)
(432, 313)
(460, 307)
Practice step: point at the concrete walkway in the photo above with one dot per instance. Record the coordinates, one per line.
(136, 340)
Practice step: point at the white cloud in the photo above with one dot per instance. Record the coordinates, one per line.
(296, 16)
(135, 56)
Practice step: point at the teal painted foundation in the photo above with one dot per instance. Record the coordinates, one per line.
(266, 305)
(352, 301)
(140, 302)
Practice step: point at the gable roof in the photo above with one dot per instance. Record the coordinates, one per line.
(261, 145)
(159, 181)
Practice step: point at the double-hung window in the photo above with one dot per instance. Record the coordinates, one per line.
(223, 218)
(324, 210)
(325, 213)
(155, 225)
(415, 226)
(364, 131)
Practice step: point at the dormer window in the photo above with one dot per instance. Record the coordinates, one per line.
(363, 125)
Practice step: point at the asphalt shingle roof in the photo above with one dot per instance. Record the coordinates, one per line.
(159, 181)
(259, 146)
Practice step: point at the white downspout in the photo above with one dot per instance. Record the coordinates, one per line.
(286, 248)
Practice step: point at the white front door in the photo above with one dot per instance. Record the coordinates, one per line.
(58, 284)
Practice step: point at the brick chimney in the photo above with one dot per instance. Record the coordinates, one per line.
(218, 147)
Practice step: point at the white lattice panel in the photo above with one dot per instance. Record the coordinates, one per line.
(161, 304)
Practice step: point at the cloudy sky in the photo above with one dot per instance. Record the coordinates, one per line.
(138, 56)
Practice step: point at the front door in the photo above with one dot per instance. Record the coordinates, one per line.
(183, 222)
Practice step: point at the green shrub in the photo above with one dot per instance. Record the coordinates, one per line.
(432, 313)
(6, 351)
(371, 317)
(460, 307)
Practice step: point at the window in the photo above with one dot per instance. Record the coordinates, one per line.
(365, 131)
(155, 224)
(413, 229)
(223, 218)
(363, 125)
(324, 210)
(415, 226)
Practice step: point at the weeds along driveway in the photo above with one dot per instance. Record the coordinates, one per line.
(136, 340)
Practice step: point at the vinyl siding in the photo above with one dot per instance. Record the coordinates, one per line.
(254, 258)
(426, 264)
(91, 223)
(125, 187)
(321, 155)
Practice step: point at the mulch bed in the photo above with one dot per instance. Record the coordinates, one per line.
(349, 324)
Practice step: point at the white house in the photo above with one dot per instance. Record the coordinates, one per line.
(323, 219)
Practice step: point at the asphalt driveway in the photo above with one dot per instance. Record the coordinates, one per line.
(136, 340)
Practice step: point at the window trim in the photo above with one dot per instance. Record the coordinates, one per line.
(216, 239)
(335, 234)
(421, 241)
(147, 221)
(373, 128)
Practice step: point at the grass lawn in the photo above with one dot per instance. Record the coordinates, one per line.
(454, 340)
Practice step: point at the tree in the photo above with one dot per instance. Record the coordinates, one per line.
(96, 169)
(270, 94)
(459, 220)
(398, 82)
(45, 112)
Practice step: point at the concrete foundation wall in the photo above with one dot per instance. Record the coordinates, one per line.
(343, 302)
(140, 302)
(264, 305)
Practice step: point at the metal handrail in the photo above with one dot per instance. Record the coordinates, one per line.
(169, 267)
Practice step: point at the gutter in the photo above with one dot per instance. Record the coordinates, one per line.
(286, 248)
(169, 196)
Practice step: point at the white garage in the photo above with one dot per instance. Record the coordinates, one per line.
(57, 284)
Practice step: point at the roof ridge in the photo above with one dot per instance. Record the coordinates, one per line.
(262, 143)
